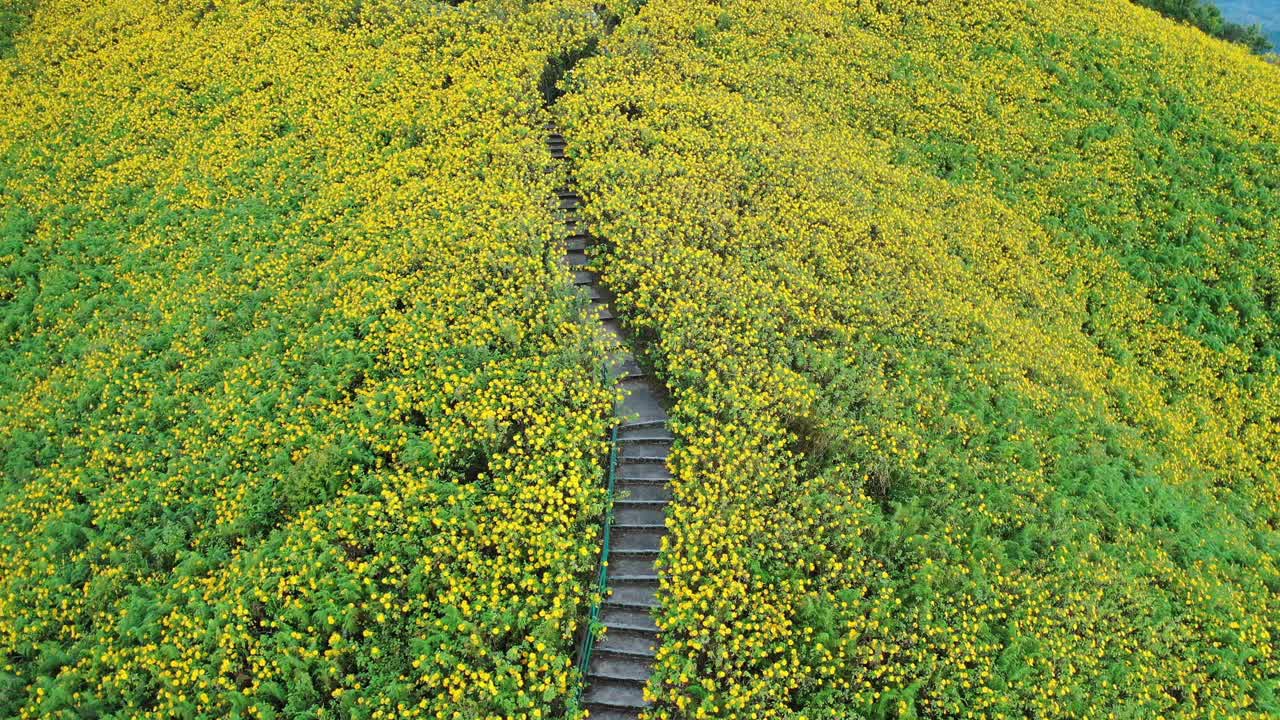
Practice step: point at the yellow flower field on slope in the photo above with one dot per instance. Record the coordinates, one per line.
(969, 311)
(301, 415)
(969, 314)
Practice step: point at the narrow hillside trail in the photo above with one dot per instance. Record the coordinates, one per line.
(617, 667)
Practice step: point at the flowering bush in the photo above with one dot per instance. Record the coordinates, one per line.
(968, 310)
(301, 415)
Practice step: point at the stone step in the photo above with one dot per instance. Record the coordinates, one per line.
(616, 695)
(637, 538)
(627, 639)
(641, 402)
(628, 369)
(657, 490)
(628, 453)
(633, 562)
(639, 512)
(576, 259)
(628, 615)
(616, 666)
(652, 436)
(642, 425)
(583, 277)
(605, 712)
(650, 449)
(642, 472)
(651, 441)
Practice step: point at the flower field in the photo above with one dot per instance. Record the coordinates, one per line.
(970, 315)
(299, 415)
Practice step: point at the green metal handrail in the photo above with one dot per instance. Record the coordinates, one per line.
(589, 637)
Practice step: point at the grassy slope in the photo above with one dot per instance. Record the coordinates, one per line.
(299, 416)
(971, 314)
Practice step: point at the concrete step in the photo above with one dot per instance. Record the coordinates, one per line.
(632, 562)
(656, 450)
(616, 695)
(627, 639)
(627, 614)
(637, 538)
(642, 425)
(642, 472)
(641, 402)
(643, 491)
(639, 512)
(648, 453)
(652, 441)
(628, 369)
(605, 712)
(619, 666)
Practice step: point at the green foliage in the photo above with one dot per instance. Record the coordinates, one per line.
(14, 16)
(1206, 16)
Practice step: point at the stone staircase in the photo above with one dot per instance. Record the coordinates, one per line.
(619, 665)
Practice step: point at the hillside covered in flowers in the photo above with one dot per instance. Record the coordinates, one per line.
(972, 316)
(299, 420)
(969, 313)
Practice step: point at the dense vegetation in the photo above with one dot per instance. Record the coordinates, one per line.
(1208, 18)
(299, 418)
(14, 15)
(971, 315)
(970, 312)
